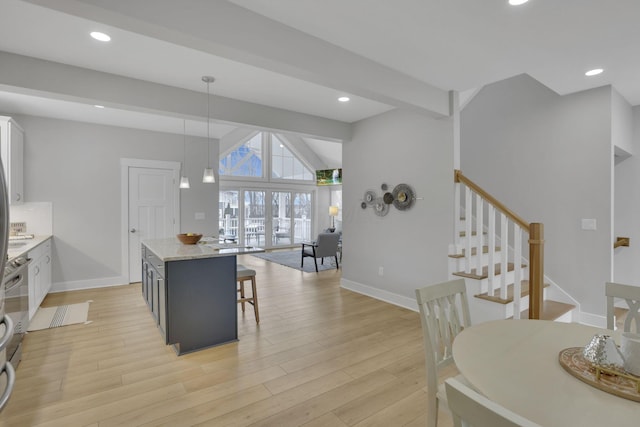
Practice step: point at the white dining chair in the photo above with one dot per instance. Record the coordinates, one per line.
(444, 312)
(470, 408)
(631, 295)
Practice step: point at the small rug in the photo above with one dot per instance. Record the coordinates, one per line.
(292, 259)
(63, 315)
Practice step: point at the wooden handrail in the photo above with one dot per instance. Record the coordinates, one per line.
(621, 241)
(459, 177)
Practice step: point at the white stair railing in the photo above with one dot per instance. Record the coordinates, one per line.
(510, 234)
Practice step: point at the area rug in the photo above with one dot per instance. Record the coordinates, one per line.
(292, 259)
(63, 315)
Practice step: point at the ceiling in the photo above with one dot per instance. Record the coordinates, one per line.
(301, 55)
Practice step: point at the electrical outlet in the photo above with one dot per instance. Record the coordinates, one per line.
(380, 271)
(199, 215)
(588, 224)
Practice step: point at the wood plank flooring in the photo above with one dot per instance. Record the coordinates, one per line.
(321, 356)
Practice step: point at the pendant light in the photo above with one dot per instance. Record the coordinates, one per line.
(208, 176)
(184, 180)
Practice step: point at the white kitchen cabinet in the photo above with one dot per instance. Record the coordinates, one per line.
(39, 275)
(12, 153)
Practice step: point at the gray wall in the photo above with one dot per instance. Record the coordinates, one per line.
(77, 167)
(549, 158)
(411, 246)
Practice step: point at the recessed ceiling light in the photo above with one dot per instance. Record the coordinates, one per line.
(594, 72)
(344, 99)
(99, 106)
(100, 36)
(517, 2)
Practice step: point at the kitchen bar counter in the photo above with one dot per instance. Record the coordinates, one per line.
(191, 291)
(171, 249)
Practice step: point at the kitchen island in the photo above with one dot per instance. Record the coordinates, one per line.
(191, 291)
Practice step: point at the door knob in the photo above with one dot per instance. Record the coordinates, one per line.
(133, 230)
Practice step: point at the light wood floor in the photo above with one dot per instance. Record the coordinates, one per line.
(322, 356)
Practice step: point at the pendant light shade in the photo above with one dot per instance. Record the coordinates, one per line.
(208, 176)
(184, 181)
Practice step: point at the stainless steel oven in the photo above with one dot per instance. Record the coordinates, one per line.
(16, 303)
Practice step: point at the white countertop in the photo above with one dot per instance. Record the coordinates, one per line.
(171, 249)
(21, 247)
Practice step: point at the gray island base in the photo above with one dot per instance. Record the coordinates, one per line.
(191, 291)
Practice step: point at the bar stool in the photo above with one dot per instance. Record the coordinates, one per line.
(243, 273)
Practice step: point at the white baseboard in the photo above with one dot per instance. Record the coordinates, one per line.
(78, 285)
(382, 295)
(593, 319)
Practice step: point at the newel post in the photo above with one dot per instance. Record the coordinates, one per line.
(536, 270)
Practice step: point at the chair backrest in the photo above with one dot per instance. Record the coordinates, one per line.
(444, 312)
(631, 294)
(327, 244)
(478, 411)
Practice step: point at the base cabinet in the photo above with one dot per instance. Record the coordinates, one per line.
(154, 289)
(39, 275)
(193, 302)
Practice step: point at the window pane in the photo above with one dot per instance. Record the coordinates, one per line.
(281, 217)
(245, 160)
(302, 209)
(254, 213)
(285, 165)
(228, 214)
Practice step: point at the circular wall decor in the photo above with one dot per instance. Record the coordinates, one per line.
(370, 197)
(384, 187)
(380, 208)
(363, 205)
(403, 197)
(388, 198)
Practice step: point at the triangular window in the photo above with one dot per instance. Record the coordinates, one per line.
(245, 160)
(285, 164)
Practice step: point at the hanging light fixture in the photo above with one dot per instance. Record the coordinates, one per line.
(184, 180)
(208, 176)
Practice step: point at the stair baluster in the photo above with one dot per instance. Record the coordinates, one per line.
(468, 212)
(504, 255)
(491, 249)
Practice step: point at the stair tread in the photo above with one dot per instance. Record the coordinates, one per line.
(524, 291)
(551, 310)
(485, 272)
(474, 251)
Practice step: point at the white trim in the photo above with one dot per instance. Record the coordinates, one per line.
(125, 164)
(593, 319)
(77, 285)
(380, 294)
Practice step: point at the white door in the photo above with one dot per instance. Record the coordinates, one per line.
(152, 210)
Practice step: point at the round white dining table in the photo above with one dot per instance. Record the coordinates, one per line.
(515, 363)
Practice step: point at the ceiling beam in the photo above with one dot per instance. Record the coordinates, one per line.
(232, 32)
(37, 77)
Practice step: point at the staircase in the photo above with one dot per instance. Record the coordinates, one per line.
(504, 276)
